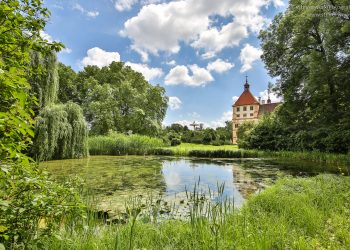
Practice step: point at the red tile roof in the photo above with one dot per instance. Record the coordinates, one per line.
(246, 98)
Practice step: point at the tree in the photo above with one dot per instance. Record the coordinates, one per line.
(60, 130)
(26, 195)
(308, 50)
(67, 84)
(120, 99)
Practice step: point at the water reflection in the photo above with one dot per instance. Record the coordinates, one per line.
(111, 179)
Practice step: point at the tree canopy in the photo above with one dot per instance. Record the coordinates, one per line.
(114, 98)
(307, 49)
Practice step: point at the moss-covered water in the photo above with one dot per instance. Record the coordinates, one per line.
(109, 180)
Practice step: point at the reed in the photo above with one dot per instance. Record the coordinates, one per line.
(304, 213)
(121, 144)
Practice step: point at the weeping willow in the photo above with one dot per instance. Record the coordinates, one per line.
(61, 133)
(45, 82)
(61, 130)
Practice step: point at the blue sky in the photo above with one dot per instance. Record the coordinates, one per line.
(198, 50)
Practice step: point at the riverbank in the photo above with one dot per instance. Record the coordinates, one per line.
(119, 144)
(304, 213)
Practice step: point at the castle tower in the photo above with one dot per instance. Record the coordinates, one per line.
(246, 108)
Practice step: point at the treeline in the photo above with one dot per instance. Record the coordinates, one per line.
(113, 98)
(176, 133)
(308, 51)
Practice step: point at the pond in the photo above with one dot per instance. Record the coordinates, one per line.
(108, 181)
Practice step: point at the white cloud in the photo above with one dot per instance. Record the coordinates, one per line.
(100, 57)
(171, 63)
(49, 38)
(66, 51)
(191, 22)
(174, 103)
(220, 66)
(180, 75)
(214, 40)
(81, 9)
(274, 98)
(226, 116)
(147, 72)
(248, 56)
(122, 5)
(46, 36)
(234, 98)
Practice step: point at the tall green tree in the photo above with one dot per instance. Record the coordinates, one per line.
(115, 98)
(307, 49)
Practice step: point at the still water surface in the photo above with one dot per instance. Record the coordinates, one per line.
(110, 180)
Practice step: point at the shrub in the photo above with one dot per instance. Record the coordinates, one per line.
(175, 142)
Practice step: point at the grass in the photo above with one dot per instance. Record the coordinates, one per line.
(305, 213)
(121, 144)
(184, 148)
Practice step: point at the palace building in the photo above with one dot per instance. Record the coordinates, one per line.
(248, 108)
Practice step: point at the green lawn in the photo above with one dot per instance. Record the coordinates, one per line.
(184, 148)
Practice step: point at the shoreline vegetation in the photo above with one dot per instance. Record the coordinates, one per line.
(121, 144)
(269, 220)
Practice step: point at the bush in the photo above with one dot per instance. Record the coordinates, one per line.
(121, 144)
(31, 205)
(175, 142)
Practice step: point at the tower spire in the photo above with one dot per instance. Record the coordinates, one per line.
(246, 85)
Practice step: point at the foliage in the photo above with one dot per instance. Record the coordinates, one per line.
(175, 141)
(307, 50)
(26, 196)
(121, 144)
(61, 130)
(32, 206)
(219, 136)
(243, 133)
(67, 84)
(305, 213)
(60, 133)
(115, 98)
(44, 84)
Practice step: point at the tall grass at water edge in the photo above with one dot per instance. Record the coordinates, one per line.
(121, 144)
(337, 163)
(305, 213)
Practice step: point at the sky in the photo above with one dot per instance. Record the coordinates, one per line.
(200, 51)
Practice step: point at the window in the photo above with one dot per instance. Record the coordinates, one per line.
(244, 115)
(238, 109)
(244, 108)
(251, 114)
(236, 125)
(238, 115)
(251, 108)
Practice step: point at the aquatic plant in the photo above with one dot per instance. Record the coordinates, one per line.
(305, 213)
